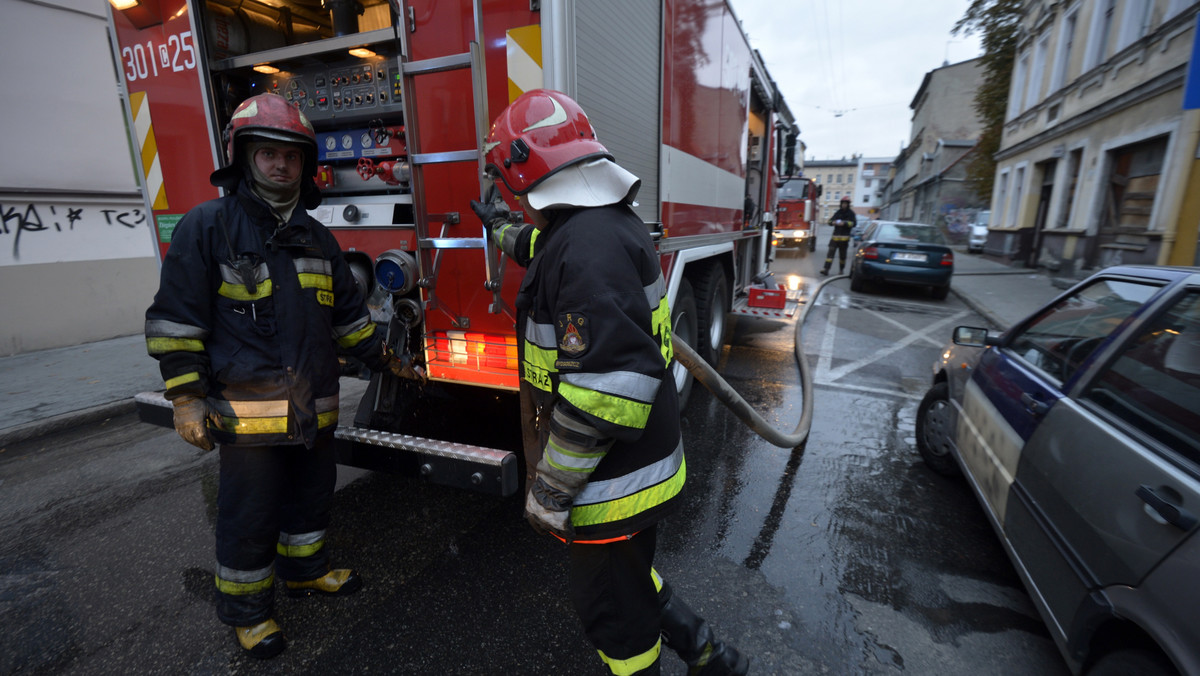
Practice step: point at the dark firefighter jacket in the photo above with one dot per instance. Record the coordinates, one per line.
(252, 317)
(596, 346)
(848, 219)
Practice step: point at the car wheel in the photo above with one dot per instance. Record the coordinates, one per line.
(712, 308)
(683, 326)
(856, 280)
(940, 292)
(935, 417)
(1136, 661)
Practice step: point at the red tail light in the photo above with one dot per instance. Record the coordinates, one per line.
(948, 258)
(871, 253)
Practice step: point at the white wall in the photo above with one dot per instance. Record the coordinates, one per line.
(77, 259)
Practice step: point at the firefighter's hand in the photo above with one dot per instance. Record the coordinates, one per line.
(403, 367)
(493, 211)
(548, 508)
(191, 421)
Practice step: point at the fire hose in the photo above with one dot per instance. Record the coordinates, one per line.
(713, 382)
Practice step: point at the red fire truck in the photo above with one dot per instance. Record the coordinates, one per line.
(401, 94)
(798, 211)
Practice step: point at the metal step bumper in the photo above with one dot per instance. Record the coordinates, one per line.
(475, 468)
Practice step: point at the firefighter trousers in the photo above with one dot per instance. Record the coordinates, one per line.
(616, 597)
(837, 245)
(272, 511)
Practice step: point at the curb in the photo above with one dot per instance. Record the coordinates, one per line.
(40, 428)
(995, 321)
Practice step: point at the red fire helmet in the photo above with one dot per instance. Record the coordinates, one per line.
(270, 116)
(538, 134)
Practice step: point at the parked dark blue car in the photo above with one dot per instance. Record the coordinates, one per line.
(891, 252)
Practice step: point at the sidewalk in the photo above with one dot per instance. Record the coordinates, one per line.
(63, 387)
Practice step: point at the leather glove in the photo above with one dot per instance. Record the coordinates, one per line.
(548, 503)
(403, 367)
(548, 507)
(493, 211)
(192, 415)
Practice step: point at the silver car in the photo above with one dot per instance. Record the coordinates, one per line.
(1078, 430)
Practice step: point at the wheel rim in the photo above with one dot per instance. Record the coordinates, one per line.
(937, 427)
(716, 321)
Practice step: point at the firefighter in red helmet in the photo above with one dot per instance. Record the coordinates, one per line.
(601, 415)
(254, 305)
(843, 222)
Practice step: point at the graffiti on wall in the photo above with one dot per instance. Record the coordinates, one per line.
(34, 232)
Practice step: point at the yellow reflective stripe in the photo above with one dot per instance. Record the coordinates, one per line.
(328, 418)
(538, 365)
(299, 551)
(570, 461)
(316, 281)
(615, 410)
(254, 425)
(630, 505)
(660, 324)
(165, 345)
(238, 291)
(533, 238)
(183, 379)
(352, 339)
(633, 664)
(658, 581)
(243, 588)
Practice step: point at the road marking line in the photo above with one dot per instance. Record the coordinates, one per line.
(897, 324)
(825, 361)
(845, 369)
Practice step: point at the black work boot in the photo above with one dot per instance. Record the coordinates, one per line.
(691, 637)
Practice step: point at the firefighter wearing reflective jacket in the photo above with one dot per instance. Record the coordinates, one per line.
(254, 303)
(601, 413)
(843, 222)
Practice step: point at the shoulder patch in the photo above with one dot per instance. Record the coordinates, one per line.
(572, 332)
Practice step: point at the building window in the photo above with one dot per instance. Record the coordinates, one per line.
(1062, 54)
(1018, 187)
(1016, 97)
(1074, 162)
(1134, 23)
(1098, 36)
(866, 199)
(867, 183)
(1034, 93)
(1002, 196)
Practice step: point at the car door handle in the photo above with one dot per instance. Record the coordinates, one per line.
(1176, 516)
(1038, 407)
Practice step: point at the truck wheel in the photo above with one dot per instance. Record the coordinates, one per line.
(812, 243)
(1133, 661)
(683, 326)
(712, 309)
(935, 418)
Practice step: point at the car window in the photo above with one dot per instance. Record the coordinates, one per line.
(899, 232)
(1154, 382)
(1063, 335)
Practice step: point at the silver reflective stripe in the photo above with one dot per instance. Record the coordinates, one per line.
(314, 265)
(235, 575)
(579, 463)
(329, 403)
(230, 275)
(541, 335)
(300, 539)
(347, 329)
(619, 487)
(628, 384)
(655, 292)
(161, 328)
(251, 409)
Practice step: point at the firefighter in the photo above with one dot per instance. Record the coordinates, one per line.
(843, 221)
(603, 413)
(255, 302)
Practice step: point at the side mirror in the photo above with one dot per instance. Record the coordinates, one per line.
(971, 336)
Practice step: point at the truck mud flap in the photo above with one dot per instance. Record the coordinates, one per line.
(474, 468)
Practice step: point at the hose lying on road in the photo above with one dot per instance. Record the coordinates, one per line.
(712, 381)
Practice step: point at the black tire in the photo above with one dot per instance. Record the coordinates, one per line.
(856, 281)
(940, 292)
(1138, 661)
(812, 243)
(935, 418)
(683, 326)
(712, 312)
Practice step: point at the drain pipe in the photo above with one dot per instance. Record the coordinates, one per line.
(712, 381)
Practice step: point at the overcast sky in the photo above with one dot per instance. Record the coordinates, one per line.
(849, 69)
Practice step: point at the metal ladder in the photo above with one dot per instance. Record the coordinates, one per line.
(431, 247)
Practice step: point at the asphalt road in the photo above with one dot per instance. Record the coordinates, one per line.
(844, 556)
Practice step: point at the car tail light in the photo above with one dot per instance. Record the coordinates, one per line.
(871, 253)
(948, 258)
